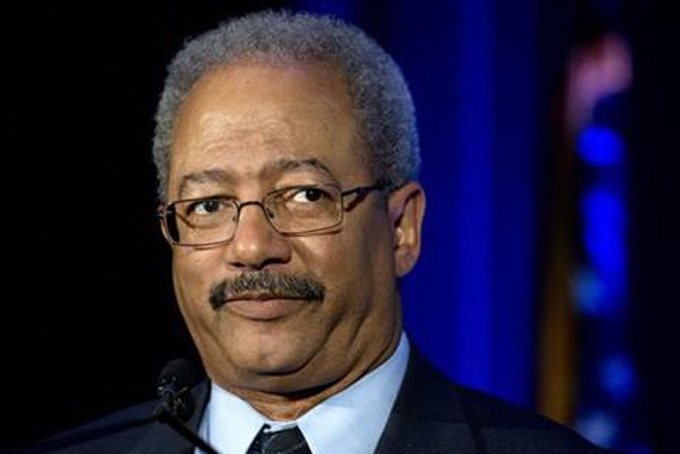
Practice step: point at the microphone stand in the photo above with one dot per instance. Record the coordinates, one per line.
(165, 415)
(176, 405)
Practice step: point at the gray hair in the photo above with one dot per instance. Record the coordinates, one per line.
(381, 100)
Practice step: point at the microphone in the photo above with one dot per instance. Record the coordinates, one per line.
(173, 389)
(176, 404)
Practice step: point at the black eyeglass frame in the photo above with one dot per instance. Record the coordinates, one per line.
(360, 191)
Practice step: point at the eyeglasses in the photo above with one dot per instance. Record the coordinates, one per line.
(298, 210)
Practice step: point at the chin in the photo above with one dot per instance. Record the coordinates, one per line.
(267, 356)
(272, 364)
(277, 358)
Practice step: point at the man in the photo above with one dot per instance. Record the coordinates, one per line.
(287, 154)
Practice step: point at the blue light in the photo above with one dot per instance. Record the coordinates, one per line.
(600, 427)
(618, 377)
(600, 146)
(588, 291)
(604, 235)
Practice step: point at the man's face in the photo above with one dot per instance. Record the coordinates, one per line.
(244, 131)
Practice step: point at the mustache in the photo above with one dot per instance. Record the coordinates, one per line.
(267, 283)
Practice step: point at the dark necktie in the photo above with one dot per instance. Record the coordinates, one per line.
(287, 441)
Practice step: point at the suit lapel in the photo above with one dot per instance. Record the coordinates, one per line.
(427, 417)
(161, 439)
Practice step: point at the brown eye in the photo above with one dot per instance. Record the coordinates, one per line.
(204, 207)
(307, 195)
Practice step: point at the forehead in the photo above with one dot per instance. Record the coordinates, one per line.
(240, 119)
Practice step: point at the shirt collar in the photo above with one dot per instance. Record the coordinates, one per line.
(349, 422)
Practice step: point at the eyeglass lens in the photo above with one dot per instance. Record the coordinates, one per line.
(289, 210)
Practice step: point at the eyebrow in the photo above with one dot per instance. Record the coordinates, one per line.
(287, 164)
(205, 176)
(280, 165)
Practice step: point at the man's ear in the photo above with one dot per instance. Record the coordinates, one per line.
(406, 207)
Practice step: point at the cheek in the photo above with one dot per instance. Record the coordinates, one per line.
(355, 262)
(192, 278)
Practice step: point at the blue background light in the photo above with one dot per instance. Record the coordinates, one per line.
(599, 145)
(618, 377)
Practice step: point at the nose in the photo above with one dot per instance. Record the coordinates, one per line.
(255, 243)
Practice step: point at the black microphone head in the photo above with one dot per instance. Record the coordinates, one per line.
(179, 371)
(173, 388)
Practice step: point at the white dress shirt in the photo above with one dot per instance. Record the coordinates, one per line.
(349, 422)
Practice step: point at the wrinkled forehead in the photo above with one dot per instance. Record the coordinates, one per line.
(250, 117)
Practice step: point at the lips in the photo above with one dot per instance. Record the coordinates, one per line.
(264, 307)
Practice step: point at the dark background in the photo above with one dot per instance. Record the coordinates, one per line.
(90, 316)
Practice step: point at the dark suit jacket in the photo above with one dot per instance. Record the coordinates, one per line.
(431, 415)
